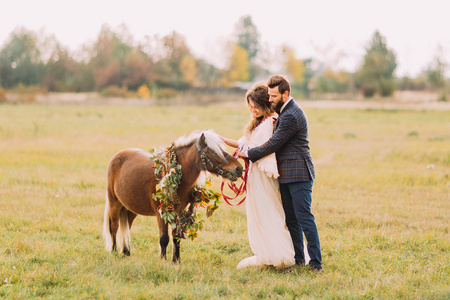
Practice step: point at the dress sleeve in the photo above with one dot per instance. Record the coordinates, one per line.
(267, 164)
(242, 142)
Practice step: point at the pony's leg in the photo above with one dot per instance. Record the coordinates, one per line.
(163, 235)
(176, 249)
(111, 221)
(126, 245)
(114, 225)
(131, 217)
(123, 233)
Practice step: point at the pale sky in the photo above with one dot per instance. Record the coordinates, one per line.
(330, 31)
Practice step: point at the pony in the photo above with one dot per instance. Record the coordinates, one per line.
(131, 182)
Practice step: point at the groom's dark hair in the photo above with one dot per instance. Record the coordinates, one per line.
(281, 82)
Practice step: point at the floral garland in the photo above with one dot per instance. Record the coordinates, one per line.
(168, 174)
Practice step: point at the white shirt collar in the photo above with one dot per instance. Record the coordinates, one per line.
(285, 103)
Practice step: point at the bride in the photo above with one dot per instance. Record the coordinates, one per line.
(269, 239)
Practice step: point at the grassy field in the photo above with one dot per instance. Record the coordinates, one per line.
(381, 201)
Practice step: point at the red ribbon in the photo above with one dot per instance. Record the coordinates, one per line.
(237, 190)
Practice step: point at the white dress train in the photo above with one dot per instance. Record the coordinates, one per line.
(269, 239)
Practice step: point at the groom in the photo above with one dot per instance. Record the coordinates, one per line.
(291, 146)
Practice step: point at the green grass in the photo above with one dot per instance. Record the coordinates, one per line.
(381, 201)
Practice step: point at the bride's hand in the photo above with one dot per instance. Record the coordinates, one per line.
(241, 154)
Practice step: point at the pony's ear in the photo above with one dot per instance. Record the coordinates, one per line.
(202, 140)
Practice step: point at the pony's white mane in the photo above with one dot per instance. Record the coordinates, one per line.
(212, 139)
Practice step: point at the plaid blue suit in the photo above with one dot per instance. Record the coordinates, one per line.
(291, 145)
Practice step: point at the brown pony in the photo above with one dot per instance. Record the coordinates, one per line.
(131, 183)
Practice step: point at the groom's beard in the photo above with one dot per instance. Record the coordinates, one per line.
(277, 107)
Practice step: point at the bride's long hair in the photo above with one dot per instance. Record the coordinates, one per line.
(258, 94)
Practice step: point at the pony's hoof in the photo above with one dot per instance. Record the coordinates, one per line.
(126, 252)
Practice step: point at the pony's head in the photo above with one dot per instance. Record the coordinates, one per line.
(213, 155)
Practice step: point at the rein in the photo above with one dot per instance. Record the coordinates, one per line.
(237, 190)
(205, 159)
(219, 170)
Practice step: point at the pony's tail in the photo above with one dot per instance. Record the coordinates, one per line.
(123, 234)
(107, 227)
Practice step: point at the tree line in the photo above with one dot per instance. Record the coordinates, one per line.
(163, 66)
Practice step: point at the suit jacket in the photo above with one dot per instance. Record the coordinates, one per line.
(291, 145)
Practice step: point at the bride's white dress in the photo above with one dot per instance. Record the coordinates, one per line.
(269, 239)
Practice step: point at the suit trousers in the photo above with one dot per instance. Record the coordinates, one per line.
(297, 198)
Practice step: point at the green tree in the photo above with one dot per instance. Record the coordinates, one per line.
(248, 36)
(376, 75)
(435, 73)
(435, 76)
(208, 75)
(20, 60)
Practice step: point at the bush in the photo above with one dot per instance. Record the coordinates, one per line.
(27, 93)
(2, 95)
(412, 84)
(143, 92)
(114, 91)
(166, 93)
(334, 82)
(368, 90)
(29, 89)
(387, 87)
(443, 97)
